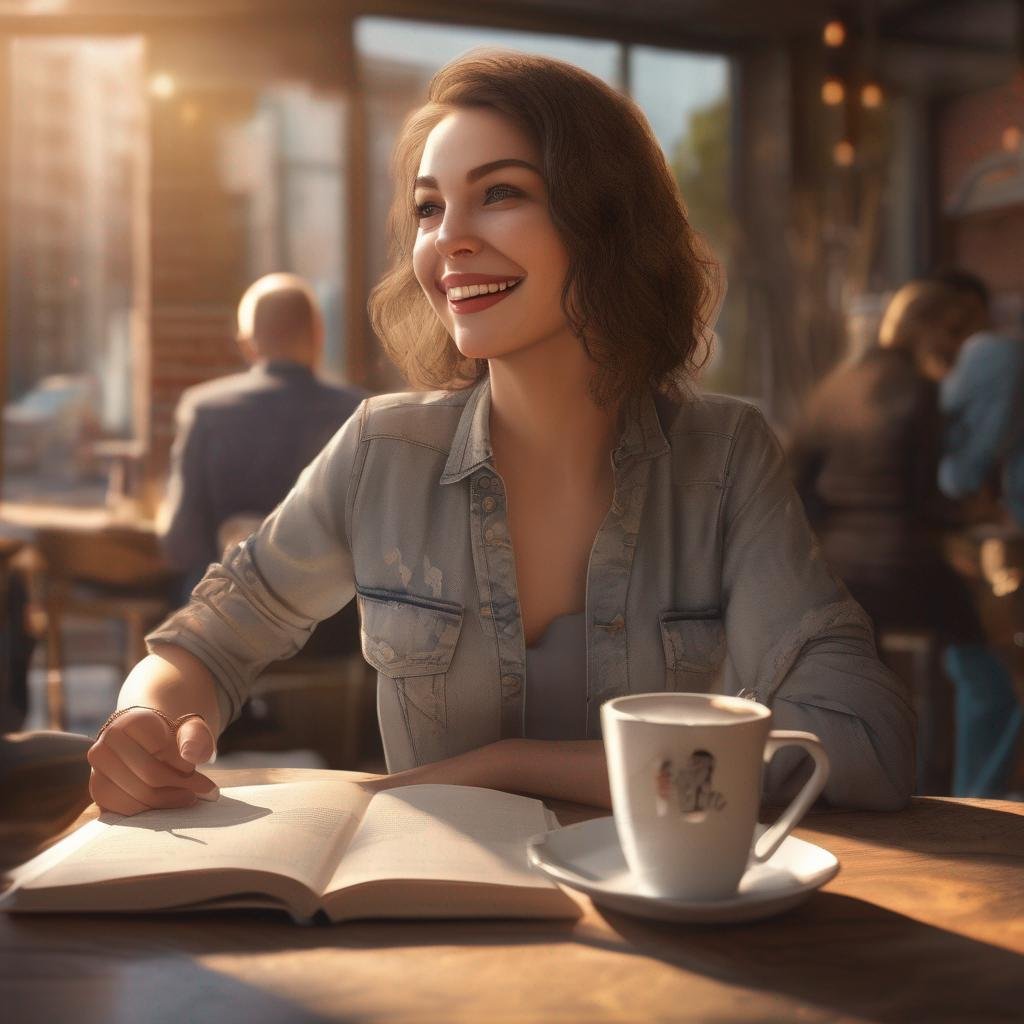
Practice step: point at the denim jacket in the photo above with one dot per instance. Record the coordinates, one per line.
(703, 577)
(983, 401)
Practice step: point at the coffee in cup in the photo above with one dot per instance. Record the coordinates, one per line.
(686, 772)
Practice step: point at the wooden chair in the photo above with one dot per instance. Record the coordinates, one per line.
(915, 656)
(310, 703)
(115, 573)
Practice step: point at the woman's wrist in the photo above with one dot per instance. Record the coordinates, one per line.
(483, 766)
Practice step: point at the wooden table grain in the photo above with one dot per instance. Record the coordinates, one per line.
(924, 923)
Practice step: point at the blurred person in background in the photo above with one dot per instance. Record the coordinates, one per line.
(241, 441)
(865, 458)
(982, 399)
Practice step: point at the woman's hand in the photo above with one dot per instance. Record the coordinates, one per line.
(139, 762)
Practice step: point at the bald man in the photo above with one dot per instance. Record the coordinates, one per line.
(242, 440)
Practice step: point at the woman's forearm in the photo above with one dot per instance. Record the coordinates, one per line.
(176, 683)
(572, 770)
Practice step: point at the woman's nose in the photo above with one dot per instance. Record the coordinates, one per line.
(454, 237)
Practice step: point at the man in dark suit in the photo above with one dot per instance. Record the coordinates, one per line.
(241, 441)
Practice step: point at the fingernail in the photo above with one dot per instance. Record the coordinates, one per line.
(190, 751)
(210, 795)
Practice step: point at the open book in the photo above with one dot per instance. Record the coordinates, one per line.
(306, 848)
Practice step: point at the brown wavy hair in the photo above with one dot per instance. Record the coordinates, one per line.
(931, 320)
(641, 286)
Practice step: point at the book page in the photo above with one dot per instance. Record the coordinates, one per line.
(445, 833)
(295, 829)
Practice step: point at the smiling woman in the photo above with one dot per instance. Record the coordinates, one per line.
(597, 209)
(564, 520)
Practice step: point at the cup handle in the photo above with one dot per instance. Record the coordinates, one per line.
(770, 840)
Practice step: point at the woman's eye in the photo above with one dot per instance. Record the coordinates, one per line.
(504, 191)
(496, 193)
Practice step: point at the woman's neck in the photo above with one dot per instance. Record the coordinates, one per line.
(542, 411)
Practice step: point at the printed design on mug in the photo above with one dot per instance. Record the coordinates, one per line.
(692, 786)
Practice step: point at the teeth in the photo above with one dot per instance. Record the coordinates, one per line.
(469, 291)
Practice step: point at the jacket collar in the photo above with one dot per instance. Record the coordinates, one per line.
(641, 437)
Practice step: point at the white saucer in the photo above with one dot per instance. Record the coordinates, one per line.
(587, 857)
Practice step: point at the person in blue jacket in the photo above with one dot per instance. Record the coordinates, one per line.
(982, 401)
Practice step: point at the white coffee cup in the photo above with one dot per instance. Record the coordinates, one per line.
(686, 773)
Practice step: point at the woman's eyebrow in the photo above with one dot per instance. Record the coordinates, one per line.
(426, 181)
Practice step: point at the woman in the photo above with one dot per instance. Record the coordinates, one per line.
(866, 459)
(561, 522)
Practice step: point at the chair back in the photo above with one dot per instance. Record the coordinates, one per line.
(112, 556)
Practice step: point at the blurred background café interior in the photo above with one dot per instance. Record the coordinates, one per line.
(158, 156)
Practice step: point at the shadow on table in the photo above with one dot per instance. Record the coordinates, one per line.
(845, 955)
(849, 957)
(931, 825)
(92, 981)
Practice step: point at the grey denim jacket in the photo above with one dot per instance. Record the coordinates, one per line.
(703, 577)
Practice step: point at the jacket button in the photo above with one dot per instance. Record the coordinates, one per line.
(489, 504)
(511, 684)
(488, 535)
(484, 483)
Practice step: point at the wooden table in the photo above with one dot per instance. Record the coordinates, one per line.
(93, 563)
(924, 923)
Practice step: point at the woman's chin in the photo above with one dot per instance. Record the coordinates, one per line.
(481, 348)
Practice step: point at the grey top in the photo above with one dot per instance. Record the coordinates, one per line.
(556, 681)
(704, 577)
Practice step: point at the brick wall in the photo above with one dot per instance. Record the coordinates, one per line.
(198, 255)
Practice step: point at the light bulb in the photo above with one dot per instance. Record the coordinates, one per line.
(843, 153)
(834, 34)
(162, 86)
(871, 96)
(832, 92)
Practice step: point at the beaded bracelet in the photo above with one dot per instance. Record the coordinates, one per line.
(172, 722)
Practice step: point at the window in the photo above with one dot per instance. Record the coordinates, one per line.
(76, 152)
(688, 100)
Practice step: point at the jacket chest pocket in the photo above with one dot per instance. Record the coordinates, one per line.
(410, 642)
(694, 652)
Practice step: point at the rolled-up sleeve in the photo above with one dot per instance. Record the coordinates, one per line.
(801, 644)
(263, 601)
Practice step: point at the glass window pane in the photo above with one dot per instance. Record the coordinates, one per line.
(76, 146)
(687, 99)
(286, 159)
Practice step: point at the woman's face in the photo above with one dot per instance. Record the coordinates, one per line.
(488, 226)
